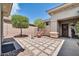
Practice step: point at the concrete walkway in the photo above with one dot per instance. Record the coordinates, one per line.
(69, 48)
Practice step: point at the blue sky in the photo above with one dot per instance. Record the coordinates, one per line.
(33, 10)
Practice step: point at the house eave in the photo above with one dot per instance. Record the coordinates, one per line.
(7, 9)
(69, 18)
(60, 8)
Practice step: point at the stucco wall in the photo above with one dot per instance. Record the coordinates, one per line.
(69, 12)
(47, 30)
(9, 31)
(54, 26)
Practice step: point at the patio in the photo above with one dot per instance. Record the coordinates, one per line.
(44, 46)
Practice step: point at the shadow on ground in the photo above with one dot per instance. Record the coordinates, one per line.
(18, 36)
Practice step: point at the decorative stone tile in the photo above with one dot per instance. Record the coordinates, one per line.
(48, 43)
(42, 54)
(43, 42)
(28, 45)
(48, 51)
(54, 45)
(57, 42)
(27, 40)
(52, 48)
(30, 42)
(31, 48)
(36, 51)
(37, 45)
(52, 41)
(45, 45)
(33, 43)
(41, 47)
(40, 43)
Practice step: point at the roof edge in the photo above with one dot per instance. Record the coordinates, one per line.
(59, 7)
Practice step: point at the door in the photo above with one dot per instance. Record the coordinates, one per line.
(65, 30)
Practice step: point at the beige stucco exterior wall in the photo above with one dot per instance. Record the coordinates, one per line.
(68, 12)
(47, 30)
(54, 26)
(10, 31)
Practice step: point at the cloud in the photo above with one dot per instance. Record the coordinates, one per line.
(15, 9)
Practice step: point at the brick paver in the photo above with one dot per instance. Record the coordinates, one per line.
(40, 46)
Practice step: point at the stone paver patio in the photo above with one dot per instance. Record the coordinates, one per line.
(44, 46)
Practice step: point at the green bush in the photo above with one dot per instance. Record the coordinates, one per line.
(19, 21)
(77, 27)
(39, 23)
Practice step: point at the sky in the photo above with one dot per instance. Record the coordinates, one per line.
(33, 10)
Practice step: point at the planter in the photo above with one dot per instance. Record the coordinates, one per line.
(54, 34)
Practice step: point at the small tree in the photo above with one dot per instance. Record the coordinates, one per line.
(40, 24)
(19, 21)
